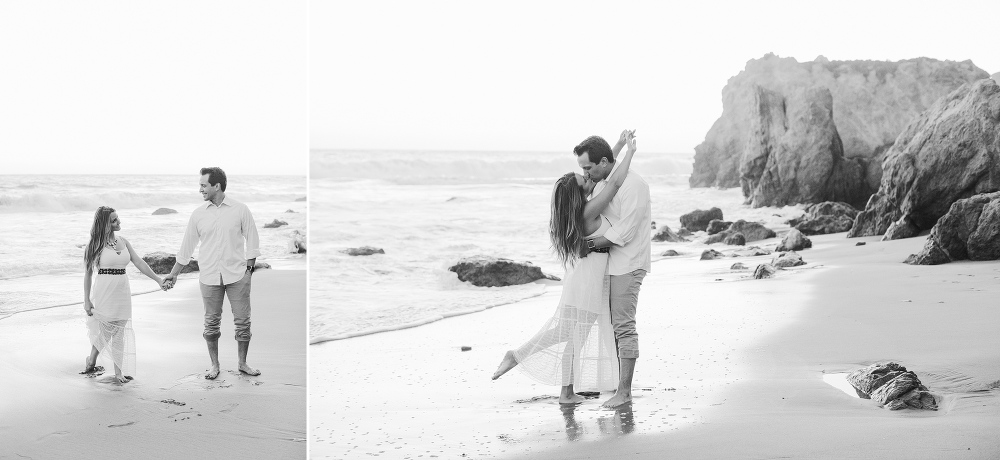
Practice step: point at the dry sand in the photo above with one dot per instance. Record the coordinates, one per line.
(48, 410)
(729, 368)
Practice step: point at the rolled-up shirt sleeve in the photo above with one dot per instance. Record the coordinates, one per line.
(625, 229)
(250, 233)
(189, 242)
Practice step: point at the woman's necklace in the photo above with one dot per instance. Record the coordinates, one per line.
(113, 244)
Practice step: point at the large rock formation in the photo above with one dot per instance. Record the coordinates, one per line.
(794, 153)
(872, 102)
(970, 230)
(752, 231)
(950, 152)
(698, 219)
(162, 263)
(488, 271)
(668, 235)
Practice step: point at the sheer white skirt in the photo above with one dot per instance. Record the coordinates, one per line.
(110, 328)
(577, 344)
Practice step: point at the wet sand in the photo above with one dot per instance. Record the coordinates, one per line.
(48, 410)
(729, 368)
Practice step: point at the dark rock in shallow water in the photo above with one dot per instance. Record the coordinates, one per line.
(711, 254)
(670, 253)
(751, 251)
(764, 271)
(866, 101)
(665, 234)
(488, 271)
(970, 230)
(794, 240)
(289, 211)
(735, 239)
(751, 231)
(162, 211)
(162, 263)
(738, 266)
(891, 386)
(824, 225)
(363, 251)
(787, 259)
(946, 154)
(716, 226)
(683, 232)
(860, 243)
(275, 224)
(301, 199)
(466, 348)
(698, 219)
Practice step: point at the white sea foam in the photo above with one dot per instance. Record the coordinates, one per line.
(429, 209)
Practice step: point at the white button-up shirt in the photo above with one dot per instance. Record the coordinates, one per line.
(221, 231)
(630, 213)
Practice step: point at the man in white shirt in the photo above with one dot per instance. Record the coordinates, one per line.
(226, 268)
(630, 214)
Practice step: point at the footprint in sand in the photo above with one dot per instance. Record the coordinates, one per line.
(171, 401)
(229, 407)
(536, 399)
(186, 415)
(197, 382)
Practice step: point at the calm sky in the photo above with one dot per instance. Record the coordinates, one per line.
(525, 75)
(154, 87)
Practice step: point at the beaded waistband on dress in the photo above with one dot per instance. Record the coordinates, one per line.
(602, 250)
(110, 271)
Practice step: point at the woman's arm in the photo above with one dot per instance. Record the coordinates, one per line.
(87, 305)
(142, 265)
(594, 207)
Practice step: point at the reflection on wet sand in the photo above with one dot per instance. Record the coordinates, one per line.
(617, 423)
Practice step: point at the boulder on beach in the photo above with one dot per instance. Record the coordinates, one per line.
(946, 154)
(301, 199)
(794, 240)
(751, 251)
(289, 211)
(711, 254)
(872, 102)
(275, 224)
(668, 235)
(825, 218)
(683, 232)
(751, 231)
(363, 251)
(717, 225)
(487, 271)
(162, 211)
(787, 259)
(891, 386)
(698, 219)
(970, 230)
(670, 253)
(297, 242)
(764, 271)
(162, 263)
(738, 266)
(735, 239)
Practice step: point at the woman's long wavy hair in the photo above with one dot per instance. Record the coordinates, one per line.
(566, 222)
(100, 234)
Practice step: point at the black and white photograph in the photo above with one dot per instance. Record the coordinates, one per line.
(153, 224)
(718, 230)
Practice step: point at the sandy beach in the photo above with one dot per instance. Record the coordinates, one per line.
(730, 367)
(48, 410)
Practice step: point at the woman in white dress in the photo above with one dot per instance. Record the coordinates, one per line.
(576, 347)
(107, 298)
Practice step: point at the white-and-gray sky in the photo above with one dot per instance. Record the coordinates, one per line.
(154, 87)
(526, 75)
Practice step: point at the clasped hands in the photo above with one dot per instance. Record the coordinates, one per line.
(168, 282)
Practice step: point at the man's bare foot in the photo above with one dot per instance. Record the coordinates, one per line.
(617, 400)
(246, 369)
(508, 363)
(213, 373)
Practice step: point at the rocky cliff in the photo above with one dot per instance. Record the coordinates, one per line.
(950, 152)
(871, 102)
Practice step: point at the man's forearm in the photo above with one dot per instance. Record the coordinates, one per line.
(602, 242)
(176, 269)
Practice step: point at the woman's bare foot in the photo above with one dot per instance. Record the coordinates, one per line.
(213, 373)
(570, 398)
(246, 369)
(90, 366)
(123, 378)
(508, 363)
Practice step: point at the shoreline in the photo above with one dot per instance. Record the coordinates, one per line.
(730, 368)
(169, 410)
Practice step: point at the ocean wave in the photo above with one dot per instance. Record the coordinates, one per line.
(67, 202)
(465, 167)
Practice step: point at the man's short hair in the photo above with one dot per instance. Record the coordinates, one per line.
(596, 148)
(215, 176)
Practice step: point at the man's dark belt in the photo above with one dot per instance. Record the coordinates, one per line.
(110, 271)
(602, 250)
